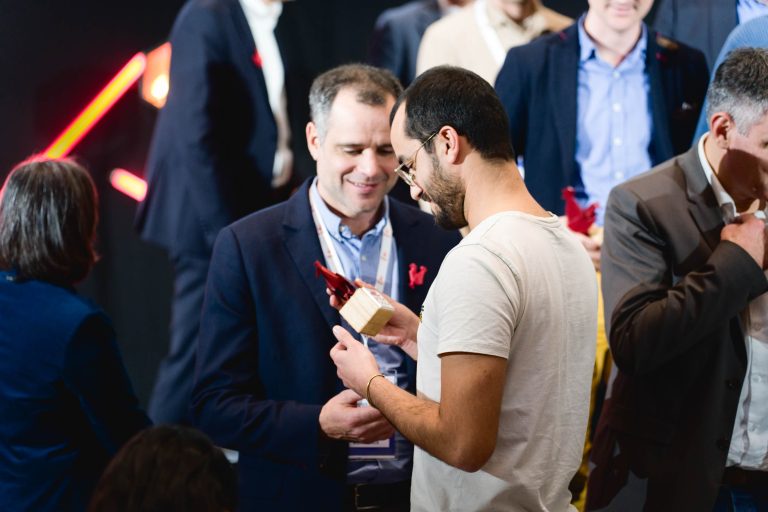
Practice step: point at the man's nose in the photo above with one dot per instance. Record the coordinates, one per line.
(368, 163)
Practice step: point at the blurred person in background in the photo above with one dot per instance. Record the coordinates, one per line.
(168, 468)
(66, 402)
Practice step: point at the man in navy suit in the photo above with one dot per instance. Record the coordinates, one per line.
(598, 103)
(221, 150)
(264, 383)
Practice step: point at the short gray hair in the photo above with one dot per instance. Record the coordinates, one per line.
(740, 88)
(373, 87)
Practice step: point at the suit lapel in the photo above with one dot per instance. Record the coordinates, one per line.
(709, 219)
(701, 200)
(563, 65)
(407, 232)
(244, 36)
(661, 145)
(300, 238)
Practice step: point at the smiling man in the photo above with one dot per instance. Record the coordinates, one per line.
(685, 423)
(506, 345)
(264, 384)
(599, 102)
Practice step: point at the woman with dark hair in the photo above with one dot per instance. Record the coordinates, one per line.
(167, 469)
(66, 404)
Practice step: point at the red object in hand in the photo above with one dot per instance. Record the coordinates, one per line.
(338, 284)
(579, 219)
(416, 277)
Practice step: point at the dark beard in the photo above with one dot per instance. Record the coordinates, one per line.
(447, 194)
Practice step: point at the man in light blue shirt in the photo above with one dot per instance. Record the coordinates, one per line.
(614, 122)
(264, 384)
(598, 103)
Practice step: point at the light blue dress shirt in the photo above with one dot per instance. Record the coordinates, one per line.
(749, 9)
(360, 258)
(613, 123)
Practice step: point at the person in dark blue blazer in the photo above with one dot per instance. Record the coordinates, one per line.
(212, 156)
(538, 85)
(396, 36)
(265, 384)
(66, 403)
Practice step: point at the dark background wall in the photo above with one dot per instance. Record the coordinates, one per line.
(54, 57)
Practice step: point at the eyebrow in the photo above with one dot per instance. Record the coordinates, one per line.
(357, 145)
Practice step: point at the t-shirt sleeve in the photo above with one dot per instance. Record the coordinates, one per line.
(477, 302)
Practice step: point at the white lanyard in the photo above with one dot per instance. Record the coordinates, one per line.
(332, 259)
(492, 40)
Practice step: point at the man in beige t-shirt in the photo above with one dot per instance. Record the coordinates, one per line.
(478, 36)
(506, 345)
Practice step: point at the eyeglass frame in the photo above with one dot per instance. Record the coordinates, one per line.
(409, 176)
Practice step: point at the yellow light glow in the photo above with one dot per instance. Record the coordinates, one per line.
(129, 184)
(159, 88)
(96, 109)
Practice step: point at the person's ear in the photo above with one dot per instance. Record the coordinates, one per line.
(313, 140)
(722, 128)
(448, 144)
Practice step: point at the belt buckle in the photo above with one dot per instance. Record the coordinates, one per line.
(357, 496)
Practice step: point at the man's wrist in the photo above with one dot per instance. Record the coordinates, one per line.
(368, 388)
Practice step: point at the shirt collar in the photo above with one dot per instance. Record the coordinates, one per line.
(332, 222)
(723, 198)
(588, 50)
(268, 11)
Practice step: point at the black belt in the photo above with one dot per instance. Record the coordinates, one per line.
(747, 478)
(372, 497)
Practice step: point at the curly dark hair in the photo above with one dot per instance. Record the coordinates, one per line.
(167, 468)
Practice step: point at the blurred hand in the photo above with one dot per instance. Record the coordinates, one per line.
(748, 232)
(341, 418)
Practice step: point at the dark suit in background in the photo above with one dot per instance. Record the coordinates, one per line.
(211, 160)
(753, 33)
(673, 293)
(66, 402)
(703, 24)
(396, 37)
(394, 45)
(538, 87)
(263, 370)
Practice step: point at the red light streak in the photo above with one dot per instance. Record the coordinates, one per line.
(99, 106)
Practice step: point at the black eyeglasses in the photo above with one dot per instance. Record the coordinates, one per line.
(405, 169)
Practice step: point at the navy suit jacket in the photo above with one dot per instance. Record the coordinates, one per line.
(212, 152)
(703, 24)
(263, 365)
(396, 37)
(66, 404)
(538, 87)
